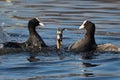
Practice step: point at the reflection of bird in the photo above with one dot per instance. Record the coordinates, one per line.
(4, 37)
(32, 59)
(34, 40)
(88, 42)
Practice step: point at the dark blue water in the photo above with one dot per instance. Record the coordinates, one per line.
(61, 65)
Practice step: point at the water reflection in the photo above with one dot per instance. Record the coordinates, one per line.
(33, 59)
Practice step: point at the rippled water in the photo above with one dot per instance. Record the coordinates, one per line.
(61, 13)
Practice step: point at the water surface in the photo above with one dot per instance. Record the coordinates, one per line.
(66, 14)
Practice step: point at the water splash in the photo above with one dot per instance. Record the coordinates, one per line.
(4, 37)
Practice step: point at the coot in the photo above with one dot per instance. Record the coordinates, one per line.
(88, 43)
(34, 40)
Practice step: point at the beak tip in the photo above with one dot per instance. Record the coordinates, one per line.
(41, 24)
(81, 27)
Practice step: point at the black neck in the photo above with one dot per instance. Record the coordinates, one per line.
(90, 33)
(90, 36)
(32, 30)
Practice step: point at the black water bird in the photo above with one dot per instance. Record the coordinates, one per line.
(34, 40)
(88, 43)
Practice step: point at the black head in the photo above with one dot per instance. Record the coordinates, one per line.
(89, 26)
(35, 22)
